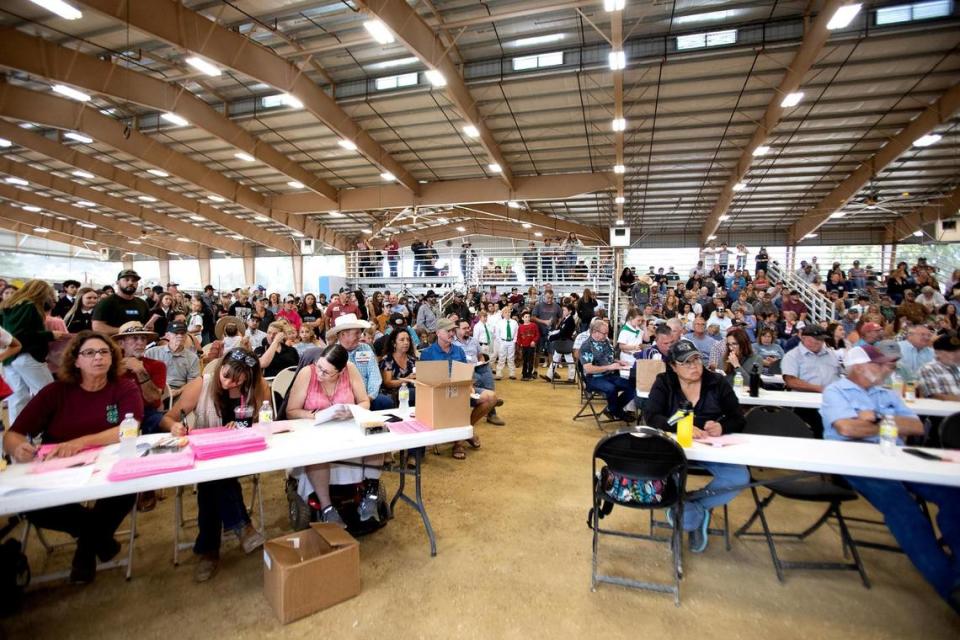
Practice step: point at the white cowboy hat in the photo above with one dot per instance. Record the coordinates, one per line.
(348, 321)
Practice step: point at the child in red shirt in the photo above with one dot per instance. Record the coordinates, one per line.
(527, 337)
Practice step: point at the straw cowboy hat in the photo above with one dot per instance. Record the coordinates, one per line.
(348, 321)
(223, 322)
(133, 328)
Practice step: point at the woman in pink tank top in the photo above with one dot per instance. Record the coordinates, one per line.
(331, 380)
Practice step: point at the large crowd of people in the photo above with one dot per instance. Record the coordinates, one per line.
(122, 349)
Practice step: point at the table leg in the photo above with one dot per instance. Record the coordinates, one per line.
(418, 503)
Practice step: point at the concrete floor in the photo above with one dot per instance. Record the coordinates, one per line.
(513, 562)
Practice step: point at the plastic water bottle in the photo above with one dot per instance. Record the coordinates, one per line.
(896, 384)
(737, 381)
(909, 392)
(129, 430)
(888, 435)
(404, 396)
(266, 413)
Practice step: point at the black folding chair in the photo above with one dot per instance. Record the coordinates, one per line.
(776, 421)
(588, 397)
(950, 432)
(647, 454)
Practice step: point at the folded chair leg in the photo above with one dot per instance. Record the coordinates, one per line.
(816, 525)
(848, 540)
(766, 533)
(726, 527)
(753, 516)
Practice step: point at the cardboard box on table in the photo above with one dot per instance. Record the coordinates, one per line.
(443, 393)
(307, 571)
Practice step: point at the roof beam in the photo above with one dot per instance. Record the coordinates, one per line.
(453, 192)
(943, 207)
(813, 41)
(595, 235)
(420, 39)
(937, 113)
(75, 158)
(179, 26)
(20, 221)
(48, 60)
(471, 228)
(43, 108)
(69, 187)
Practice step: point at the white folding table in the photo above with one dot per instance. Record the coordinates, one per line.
(305, 444)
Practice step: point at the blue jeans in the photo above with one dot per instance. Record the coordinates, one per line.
(913, 531)
(619, 391)
(219, 507)
(381, 401)
(483, 379)
(696, 505)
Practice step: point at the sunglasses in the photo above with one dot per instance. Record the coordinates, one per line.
(238, 355)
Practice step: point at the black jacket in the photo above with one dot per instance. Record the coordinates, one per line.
(567, 328)
(717, 402)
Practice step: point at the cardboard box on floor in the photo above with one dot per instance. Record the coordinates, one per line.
(307, 571)
(443, 393)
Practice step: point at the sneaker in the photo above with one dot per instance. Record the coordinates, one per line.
(206, 567)
(368, 505)
(250, 538)
(669, 515)
(496, 421)
(330, 515)
(499, 403)
(699, 536)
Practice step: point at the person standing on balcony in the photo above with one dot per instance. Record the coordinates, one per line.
(468, 261)
(392, 248)
(762, 260)
(569, 250)
(709, 255)
(530, 262)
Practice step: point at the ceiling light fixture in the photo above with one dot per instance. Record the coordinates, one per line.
(538, 234)
(918, 234)
(379, 31)
(436, 78)
(87, 225)
(471, 131)
(618, 124)
(203, 66)
(740, 186)
(173, 118)
(32, 209)
(619, 168)
(927, 140)
(183, 239)
(724, 218)
(792, 99)
(78, 137)
(242, 155)
(619, 200)
(762, 150)
(614, 5)
(261, 218)
(368, 231)
(41, 230)
(160, 173)
(387, 176)
(5, 143)
(617, 60)
(85, 203)
(494, 167)
(217, 198)
(527, 225)
(71, 93)
(838, 214)
(17, 181)
(620, 222)
(843, 16)
(513, 204)
(147, 198)
(461, 229)
(134, 242)
(810, 235)
(198, 218)
(712, 237)
(349, 145)
(294, 184)
(60, 8)
(80, 173)
(337, 214)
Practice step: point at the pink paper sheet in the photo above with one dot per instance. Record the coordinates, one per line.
(408, 426)
(85, 457)
(130, 468)
(210, 443)
(721, 441)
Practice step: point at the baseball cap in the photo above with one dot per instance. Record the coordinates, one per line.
(814, 331)
(947, 342)
(173, 284)
(871, 326)
(682, 351)
(128, 273)
(445, 324)
(889, 348)
(177, 327)
(865, 355)
(397, 319)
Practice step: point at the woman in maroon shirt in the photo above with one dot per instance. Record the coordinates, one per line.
(82, 409)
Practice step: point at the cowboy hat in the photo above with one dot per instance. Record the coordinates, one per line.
(133, 328)
(348, 321)
(223, 322)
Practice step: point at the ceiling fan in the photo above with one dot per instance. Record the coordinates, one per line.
(871, 200)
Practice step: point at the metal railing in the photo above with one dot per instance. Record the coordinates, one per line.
(819, 307)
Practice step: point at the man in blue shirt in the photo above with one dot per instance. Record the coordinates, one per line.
(602, 371)
(700, 339)
(916, 352)
(851, 410)
(444, 349)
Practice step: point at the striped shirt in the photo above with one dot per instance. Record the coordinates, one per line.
(937, 378)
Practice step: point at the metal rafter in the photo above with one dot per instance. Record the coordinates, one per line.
(20, 221)
(420, 39)
(937, 113)
(471, 228)
(811, 46)
(452, 192)
(179, 26)
(595, 235)
(935, 210)
(69, 187)
(87, 162)
(47, 60)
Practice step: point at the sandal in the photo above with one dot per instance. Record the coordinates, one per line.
(474, 442)
(458, 452)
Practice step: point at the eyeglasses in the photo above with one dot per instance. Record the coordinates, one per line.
(326, 373)
(238, 355)
(91, 353)
(691, 363)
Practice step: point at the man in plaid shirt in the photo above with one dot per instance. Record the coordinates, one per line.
(940, 379)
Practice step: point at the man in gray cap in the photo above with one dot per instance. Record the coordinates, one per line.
(765, 305)
(123, 306)
(183, 365)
